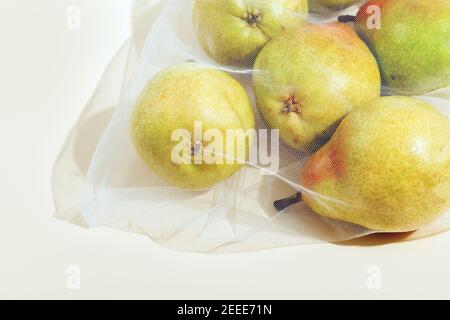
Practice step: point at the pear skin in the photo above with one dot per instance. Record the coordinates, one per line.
(232, 32)
(411, 43)
(318, 6)
(306, 80)
(387, 167)
(175, 99)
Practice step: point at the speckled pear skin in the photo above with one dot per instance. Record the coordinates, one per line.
(387, 167)
(319, 5)
(232, 32)
(175, 99)
(308, 79)
(413, 44)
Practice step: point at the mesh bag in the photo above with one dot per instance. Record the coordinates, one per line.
(316, 72)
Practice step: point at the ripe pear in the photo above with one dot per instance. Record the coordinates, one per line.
(334, 5)
(387, 167)
(308, 79)
(232, 32)
(411, 41)
(175, 99)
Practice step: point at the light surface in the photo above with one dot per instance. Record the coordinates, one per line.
(47, 73)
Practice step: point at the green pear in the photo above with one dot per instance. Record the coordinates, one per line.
(232, 32)
(319, 6)
(177, 99)
(306, 80)
(387, 167)
(411, 41)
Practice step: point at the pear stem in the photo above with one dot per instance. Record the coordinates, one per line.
(282, 204)
(347, 18)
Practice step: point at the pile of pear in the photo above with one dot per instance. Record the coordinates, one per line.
(382, 162)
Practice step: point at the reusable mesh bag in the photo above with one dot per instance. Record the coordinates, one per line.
(236, 215)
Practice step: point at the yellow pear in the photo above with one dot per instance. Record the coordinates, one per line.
(306, 80)
(411, 40)
(177, 99)
(387, 167)
(233, 32)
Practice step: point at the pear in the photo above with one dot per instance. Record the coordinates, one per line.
(232, 32)
(177, 98)
(319, 6)
(411, 41)
(387, 167)
(306, 80)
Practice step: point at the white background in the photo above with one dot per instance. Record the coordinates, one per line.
(47, 74)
